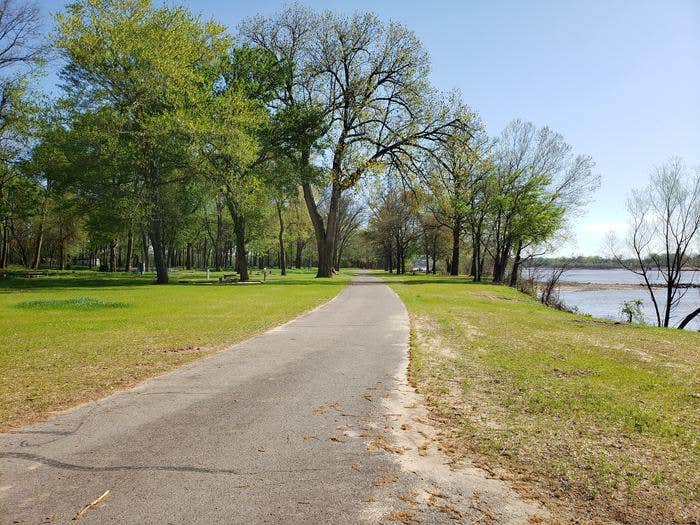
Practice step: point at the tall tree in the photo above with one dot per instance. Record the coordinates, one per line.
(538, 181)
(454, 174)
(153, 70)
(369, 81)
(241, 143)
(22, 50)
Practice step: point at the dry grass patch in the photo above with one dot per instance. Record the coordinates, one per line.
(601, 420)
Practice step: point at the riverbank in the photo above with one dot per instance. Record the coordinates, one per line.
(601, 293)
(596, 419)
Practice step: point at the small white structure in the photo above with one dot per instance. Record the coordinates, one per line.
(419, 265)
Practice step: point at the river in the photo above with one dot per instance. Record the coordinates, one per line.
(602, 292)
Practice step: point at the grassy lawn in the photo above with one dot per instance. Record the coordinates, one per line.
(69, 337)
(598, 419)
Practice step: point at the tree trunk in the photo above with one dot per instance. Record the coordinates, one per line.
(472, 264)
(24, 256)
(456, 230)
(478, 260)
(390, 258)
(427, 253)
(144, 248)
(669, 294)
(5, 245)
(62, 254)
(129, 251)
(300, 248)
(689, 318)
(241, 256)
(283, 255)
(397, 257)
(206, 254)
(515, 273)
(38, 246)
(500, 262)
(112, 256)
(159, 258)
(188, 260)
(324, 233)
(170, 254)
(156, 219)
(338, 257)
(239, 233)
(219, 235)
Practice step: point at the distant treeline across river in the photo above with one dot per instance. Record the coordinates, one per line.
(594, 262)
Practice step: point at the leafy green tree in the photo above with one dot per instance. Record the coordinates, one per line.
(454, 175)
(238, 150)
(90, 172)
(537, 182)
(151, 71)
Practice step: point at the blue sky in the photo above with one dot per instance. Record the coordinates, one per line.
(619, 79)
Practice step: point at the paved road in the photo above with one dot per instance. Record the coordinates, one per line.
(311, 422)
(267, 431)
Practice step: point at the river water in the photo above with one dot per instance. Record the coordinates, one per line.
(606, 300)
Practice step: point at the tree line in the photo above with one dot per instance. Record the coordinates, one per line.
(303, 138)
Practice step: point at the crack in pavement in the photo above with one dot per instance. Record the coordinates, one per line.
(117, 468)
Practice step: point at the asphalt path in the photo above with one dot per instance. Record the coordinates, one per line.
(272, 430)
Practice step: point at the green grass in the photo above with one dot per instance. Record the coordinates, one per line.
(76, 303)
(73, 336)
(603, 418)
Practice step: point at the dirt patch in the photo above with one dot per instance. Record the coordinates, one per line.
(451, 399)
(431, 338)
(444, 491)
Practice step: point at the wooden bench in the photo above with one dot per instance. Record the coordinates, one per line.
(228, 278)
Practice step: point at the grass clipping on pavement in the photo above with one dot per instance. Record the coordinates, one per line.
(597, 419)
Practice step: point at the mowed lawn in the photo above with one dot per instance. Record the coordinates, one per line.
(70, 337)
(597, 419)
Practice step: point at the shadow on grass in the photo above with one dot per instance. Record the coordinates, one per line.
(37, 283)
(439, 279)
(310, 280)
(13, 283)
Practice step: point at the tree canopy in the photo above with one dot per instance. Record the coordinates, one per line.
(176, 141)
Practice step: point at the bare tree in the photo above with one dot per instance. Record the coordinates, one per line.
(20, 30)
(21, 48)
(549, 294)
(664, 222)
